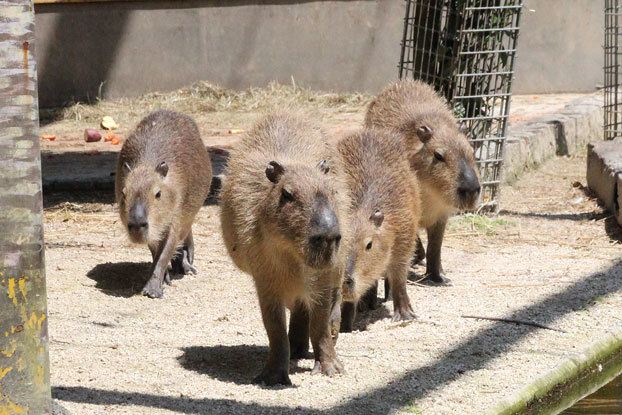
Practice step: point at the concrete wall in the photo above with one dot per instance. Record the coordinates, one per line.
(132, 47)
(560, 46)
(162, 45)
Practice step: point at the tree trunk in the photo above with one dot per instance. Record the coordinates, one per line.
(24, 362)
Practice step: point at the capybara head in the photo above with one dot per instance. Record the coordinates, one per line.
(301, 212)
(368, 254)
(146, 201)
(445, 163)
(437, 149)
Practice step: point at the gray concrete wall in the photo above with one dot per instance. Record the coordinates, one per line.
(136, 47)
(130, 48)
(560, 46)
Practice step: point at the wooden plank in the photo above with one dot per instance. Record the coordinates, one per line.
(24, 362)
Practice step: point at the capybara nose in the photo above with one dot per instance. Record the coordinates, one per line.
(137, 218)
(139, 226)
(324, 224)
(469, 183)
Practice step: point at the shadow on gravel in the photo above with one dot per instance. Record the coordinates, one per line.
(367, 317)
(238, 364)
(613, 229)
(120, 279)
(472, 354)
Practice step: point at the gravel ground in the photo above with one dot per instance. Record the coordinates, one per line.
(551, 256)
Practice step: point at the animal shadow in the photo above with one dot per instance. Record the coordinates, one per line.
(367, 317)
(238, 364)
(120, 279)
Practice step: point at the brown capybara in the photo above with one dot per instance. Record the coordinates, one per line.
(281, 223)
(439, 154)
(163, 177)
(384, 219)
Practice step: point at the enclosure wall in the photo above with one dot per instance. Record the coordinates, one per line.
(128, 48)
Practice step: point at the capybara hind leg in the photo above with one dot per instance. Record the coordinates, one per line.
(299, 332)
(183, 259)
(159, 272)
(324, 352)
(276, 371)
(434, 270)
(397, 275)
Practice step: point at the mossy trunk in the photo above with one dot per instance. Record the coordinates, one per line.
(24, 362)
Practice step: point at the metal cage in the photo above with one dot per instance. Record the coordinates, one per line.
(467, 49)
(613, 73)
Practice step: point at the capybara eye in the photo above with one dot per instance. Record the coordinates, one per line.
(287, 195)
(368, 247)
(439, 156)
(157, 196)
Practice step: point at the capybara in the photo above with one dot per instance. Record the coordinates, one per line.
(439, 154)
(281, 223)
(384, 211)
(163, 177)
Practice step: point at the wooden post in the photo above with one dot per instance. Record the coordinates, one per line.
(24, 362)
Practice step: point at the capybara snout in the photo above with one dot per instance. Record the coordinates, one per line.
(324, 233)
(469, 187)
(138, 222)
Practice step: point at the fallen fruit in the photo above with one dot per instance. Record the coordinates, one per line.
(48, 137)
(91, 135)
(115, 141)
(109, 136)
(108, 123)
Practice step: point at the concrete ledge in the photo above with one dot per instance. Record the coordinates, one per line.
(562, 133)
(569, 382)
(604, 173)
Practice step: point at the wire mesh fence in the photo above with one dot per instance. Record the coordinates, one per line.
(467, 49)
(613, 73)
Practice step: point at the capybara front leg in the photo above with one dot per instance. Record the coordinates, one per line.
(299, 332)
(276, 371)
(324, 352)
(159, 272)
(434, 270)
(397, 275)
(348, 314)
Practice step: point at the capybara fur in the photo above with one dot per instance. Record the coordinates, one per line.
(439, 154)
(281, 224)
(163, 177)
(384, 211)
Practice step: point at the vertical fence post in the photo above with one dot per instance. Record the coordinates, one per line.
(24, 362)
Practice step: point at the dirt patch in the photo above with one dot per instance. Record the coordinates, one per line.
(551, 256)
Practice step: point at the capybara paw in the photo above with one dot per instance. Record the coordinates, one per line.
(153, 289)
(273, 377)
(181, 265)
(328, 367)
(403, 315)
(436, 280)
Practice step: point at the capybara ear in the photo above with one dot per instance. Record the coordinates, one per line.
(463, 127)
(424, 133)
(127, 167)
(323, 165)
(377, 218)
(274, 171)
(162, 168)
